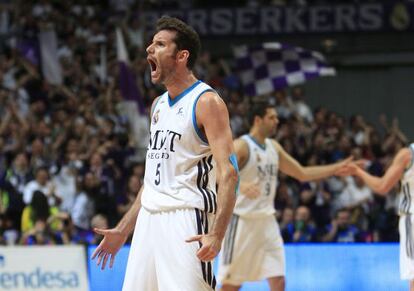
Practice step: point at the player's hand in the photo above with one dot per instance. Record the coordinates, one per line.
(113, 240)
(210, 246)
(250, 190)
(343, 169)
(351, 169)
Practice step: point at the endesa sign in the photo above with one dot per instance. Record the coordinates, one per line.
(43, 268)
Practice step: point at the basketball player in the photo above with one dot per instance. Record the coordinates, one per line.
(402, 169)
(253, 247)
(175, 237)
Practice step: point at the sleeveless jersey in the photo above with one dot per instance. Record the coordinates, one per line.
(406, 205)
(262, 167)
(179, 169)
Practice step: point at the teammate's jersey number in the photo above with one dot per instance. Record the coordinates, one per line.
(267, 189)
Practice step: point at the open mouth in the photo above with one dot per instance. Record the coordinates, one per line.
(153, 66)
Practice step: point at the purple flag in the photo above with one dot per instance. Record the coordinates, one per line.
(127, 78)
(267, 67)
(29, 49)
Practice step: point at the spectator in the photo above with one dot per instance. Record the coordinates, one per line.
(19, 174)
(299, 106)
(9, 233)
(84, 206)
(38, 210)
(38, 156)
(64, 179)
(356, 197)
(41, 183)
(287, 217)
(11, 203)
(136, 33)
(40, 234)
(301, 229)
(340, 229)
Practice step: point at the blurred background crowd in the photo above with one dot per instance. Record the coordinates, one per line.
(70, 162)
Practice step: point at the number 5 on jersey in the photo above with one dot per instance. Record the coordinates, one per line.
(158, 175)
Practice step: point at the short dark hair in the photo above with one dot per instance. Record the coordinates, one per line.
(258, 108)
(40, 206)
(186, 39)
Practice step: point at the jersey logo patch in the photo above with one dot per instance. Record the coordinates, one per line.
(180, 111)
(156, 116)
(258, 158)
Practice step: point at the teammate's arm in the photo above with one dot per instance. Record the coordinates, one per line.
(382, 185)
(242, 152)
(213, 118)
(291, 167)
(250, 190)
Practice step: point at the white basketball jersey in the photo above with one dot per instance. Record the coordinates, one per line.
(262, 167)
(407, 189)
(179, 169)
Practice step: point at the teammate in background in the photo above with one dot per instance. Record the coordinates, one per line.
(175, 237)
(253, 247)
(401, 169)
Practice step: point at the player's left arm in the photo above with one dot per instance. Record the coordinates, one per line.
(213, 118)
(291, 167)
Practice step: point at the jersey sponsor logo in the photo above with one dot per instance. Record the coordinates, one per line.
(267, 170)
(162, 140)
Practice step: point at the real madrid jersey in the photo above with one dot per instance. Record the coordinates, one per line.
(261, 167)
(406, 205)
(179, 169)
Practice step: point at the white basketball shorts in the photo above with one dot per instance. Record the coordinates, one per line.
(406, 228)
(252, 251)
(159, 257)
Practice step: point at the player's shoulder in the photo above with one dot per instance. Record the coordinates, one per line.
(405, 155)
(241, 143)
(210, 98)
(210, 104)
(154, 103)
(241, 147)
(277, 146)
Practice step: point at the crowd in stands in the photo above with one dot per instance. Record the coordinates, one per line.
(69, 163)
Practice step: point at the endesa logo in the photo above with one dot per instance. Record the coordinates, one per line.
(37, 278)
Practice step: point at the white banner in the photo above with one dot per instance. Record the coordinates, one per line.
(51, 69)
(43, 268)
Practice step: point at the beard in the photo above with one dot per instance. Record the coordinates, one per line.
(167, 73)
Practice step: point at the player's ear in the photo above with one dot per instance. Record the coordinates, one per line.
(182, 56)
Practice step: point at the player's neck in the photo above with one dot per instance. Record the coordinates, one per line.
(257, 135)
(179, 83)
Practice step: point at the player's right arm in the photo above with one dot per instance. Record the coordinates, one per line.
(115, 238)
(382, 185)
(251, 190)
